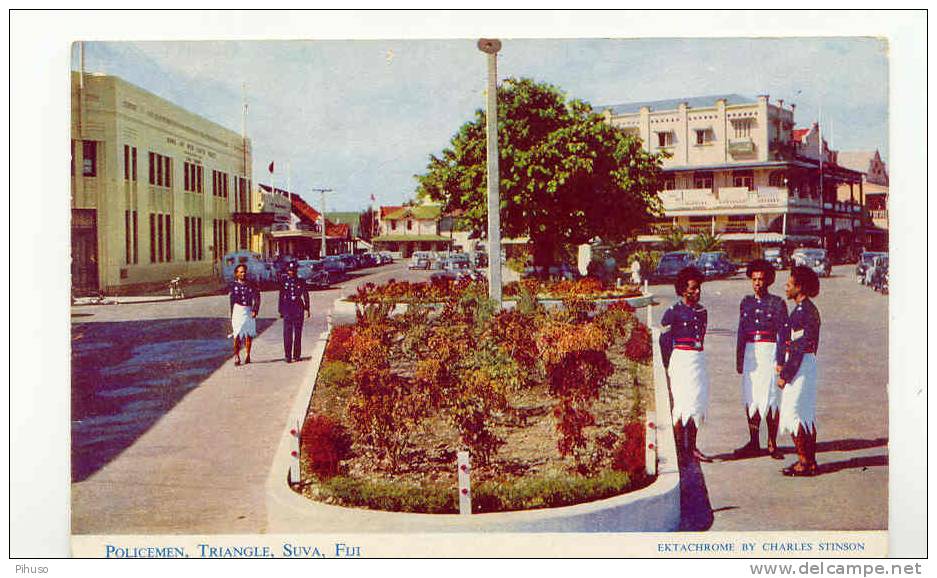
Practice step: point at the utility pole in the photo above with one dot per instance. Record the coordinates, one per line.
(322, 192)
(491, 46)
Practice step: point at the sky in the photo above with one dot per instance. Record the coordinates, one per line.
(362, 117)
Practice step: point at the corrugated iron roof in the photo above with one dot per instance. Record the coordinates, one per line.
(674, 103)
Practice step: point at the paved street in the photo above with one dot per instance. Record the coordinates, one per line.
(852, 419)
(168, 436)
(163, 420)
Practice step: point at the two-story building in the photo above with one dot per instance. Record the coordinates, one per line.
(875, 189)
(154, 188)
(734, 168)
(410, 228)
(295, 228)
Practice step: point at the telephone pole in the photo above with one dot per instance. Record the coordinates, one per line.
(491, 46)
(322, 192)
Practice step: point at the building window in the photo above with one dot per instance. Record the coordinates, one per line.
(393, 225)
(168, 237)
(152, 168)
(198, 179)
(152, 238)
(188, 239)
(136, 239)
(72, 151)
(665, 139)
(668, 184)
(133, 162)
(704, 136)
(127, 163)
(742, 128)
(130, 163)
(776, 179)
(128, 237)
(159, 239)
(409, 225)
(89, 152)
(743, 179)
(224, 240)
(703, 181)
(193, 177)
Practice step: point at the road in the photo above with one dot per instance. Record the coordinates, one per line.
(852, 419)
(162, 419)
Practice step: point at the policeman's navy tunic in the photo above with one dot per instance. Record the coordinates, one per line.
(244, 301)
(683, 345)
(294, 302)
(799, 401)
(762, 327)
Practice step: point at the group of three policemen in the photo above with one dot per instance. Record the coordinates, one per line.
(245, 304)
(775, 354)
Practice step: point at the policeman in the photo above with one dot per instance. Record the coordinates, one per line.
(798, 376)
(683, 330)
(294, 300)
(759, 354)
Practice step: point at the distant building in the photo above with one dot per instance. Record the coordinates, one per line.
(406, 229)
(154, 188)
(296, 228)
(737, 167)
(875, 190)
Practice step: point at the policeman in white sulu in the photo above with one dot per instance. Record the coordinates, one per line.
(683, 331)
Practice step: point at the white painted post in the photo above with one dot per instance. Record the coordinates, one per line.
(650, 317)
(650, 452)
(645, 286)
(465, 483)
(294, 451)
(491, 47)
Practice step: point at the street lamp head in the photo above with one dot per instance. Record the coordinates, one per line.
(489, 45)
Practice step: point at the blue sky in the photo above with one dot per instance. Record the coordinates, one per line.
(362, 116)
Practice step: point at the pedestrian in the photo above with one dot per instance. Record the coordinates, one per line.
(798, 376)
(683, 331)
(244, 299)
(759, 357)
(294, 301)
(636, 272)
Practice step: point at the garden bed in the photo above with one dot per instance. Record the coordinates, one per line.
(550, 404)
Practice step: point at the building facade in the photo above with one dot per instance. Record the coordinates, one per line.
(875, 189)
(153, 188)
(407, 229)
(735, 168)
(286, 225)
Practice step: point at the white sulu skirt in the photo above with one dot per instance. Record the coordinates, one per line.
(689, 383)
(759, 379)
(243, 323)
(799, 398)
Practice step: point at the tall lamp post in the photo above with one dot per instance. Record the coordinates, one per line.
(491, 46)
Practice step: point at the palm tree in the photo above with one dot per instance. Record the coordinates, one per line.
(706, 243)
(674, 240)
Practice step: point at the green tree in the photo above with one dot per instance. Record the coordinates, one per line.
(706, 243)
(567, 176)
(674, 240)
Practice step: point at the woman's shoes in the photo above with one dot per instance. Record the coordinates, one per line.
(247, 360)
(237, 360)
(775, 453)
(799, 470)
(700, 456)
(749, 450)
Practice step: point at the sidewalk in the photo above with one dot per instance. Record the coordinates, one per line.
(202, 467)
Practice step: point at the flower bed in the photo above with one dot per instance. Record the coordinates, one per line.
(440, 290)
(550, 405)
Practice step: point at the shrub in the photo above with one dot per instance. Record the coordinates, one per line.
(389, 495)
(638, 348)
(547, 491)
(628, 455)
(336, 374)
(324, 443)
(337, 348)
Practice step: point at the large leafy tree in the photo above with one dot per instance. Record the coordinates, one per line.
(567, 176)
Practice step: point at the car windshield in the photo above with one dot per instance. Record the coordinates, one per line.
(869, 257)
(815, 253)
(710, 257)
(676, 258)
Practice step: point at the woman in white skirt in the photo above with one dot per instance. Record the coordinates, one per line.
(798, 377)
(683, 330)
(245, 303)
(759, 355)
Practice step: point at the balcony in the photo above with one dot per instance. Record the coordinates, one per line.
(724, 198)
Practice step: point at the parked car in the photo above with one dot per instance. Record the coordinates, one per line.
(258, 270)
(777, 257)
(816, 259)
(715, 265)
(336, 268)
(878, 274)
(420, 260)
(865, 260)
(671, 263)
(386, 257)
(314, 273)
(479, 259)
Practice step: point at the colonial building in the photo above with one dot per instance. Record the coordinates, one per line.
(407, 229)
(733, 167)
(153, 188)
(875, 189)
(295, 228)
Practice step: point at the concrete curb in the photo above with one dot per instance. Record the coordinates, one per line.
(655, 508)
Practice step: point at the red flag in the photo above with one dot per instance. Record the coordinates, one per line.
(372, 198)
(270, 168)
